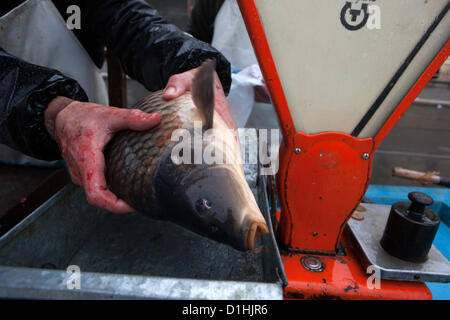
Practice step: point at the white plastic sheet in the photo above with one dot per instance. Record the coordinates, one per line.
(242, 97)
(231, 37)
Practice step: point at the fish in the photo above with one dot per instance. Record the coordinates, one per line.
(211, 199)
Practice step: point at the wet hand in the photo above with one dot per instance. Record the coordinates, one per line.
(178, 84)
(82, 130)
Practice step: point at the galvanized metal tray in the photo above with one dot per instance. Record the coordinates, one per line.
(130, 256)
(368, 233)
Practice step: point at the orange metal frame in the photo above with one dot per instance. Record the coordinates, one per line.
(321, 180)
(344, 278)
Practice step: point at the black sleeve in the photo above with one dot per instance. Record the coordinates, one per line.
(149, 49)
(203, 17)
(25, 91)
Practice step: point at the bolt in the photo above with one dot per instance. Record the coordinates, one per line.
(366, 156)
(313, 264)
(298, 150)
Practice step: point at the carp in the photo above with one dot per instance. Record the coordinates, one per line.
(210, 199)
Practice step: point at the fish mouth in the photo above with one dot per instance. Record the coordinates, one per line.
(252, 234)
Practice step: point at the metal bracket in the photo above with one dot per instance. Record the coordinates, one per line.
(368, 233)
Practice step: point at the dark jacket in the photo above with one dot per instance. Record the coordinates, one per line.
(203, 17)
(150, 50)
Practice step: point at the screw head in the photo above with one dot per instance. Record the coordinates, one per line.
(298, 150)
(313, 264)
(366, 156)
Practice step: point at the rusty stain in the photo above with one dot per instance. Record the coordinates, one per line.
(294, 295)
(325, 296)
(351, 288)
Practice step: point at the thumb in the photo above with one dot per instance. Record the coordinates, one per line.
(133, 119)
(178, 84)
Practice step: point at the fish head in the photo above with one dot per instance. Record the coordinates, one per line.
(220, 207)
(216, 202)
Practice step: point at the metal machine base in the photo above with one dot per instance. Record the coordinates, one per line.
(131, 256)
(368, 232)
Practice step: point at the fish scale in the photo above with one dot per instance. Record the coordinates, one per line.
(125, 168)
(213, 200)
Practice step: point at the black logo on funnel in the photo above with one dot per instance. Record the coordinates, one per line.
(350, 20)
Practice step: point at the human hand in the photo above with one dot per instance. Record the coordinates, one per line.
(82, 130)
(178, 84)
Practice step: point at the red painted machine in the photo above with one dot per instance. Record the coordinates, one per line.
(378, 56)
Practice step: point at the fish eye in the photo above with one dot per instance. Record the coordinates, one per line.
(203, 205)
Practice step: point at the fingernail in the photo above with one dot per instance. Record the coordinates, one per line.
(170, 91)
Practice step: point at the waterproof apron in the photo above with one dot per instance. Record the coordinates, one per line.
(36, 32)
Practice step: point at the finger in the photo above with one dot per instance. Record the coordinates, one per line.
(72, 168)
(178, 84)
(108, 201)
(97, 192)
(75, 177)
(132, 119)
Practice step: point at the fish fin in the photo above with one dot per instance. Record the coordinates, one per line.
(203, 91)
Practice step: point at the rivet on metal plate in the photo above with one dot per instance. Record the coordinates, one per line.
(313, 264)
